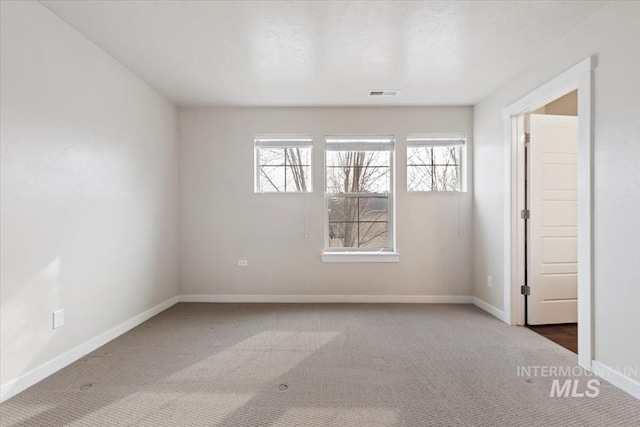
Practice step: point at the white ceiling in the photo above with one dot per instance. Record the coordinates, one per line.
(317, 53)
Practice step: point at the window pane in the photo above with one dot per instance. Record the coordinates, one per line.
(270, 156)
(377, 158)
(373, 208)
(358, 235)
(358, 219)
(343, 208)
(298, 178)
(447, 178)
(433, 168)
(358, 222)
(343, 235)
(362, 158)
(418, 155)
(336, 235)
(358, 171)
(419, 178)
(445, 155)
(373, 235)
(284, 169)
(271, 178)
(298, 156)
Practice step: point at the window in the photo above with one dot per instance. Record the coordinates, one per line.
(283, 164)
(358, 193)
(434, 162)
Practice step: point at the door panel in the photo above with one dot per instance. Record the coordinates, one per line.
(560, 287)
(558, 213)
(560, 250)
(558, 176)
(553, 224)
(560, 140)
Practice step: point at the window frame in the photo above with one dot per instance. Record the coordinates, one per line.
(356, 254)
(446, 140)
(281, 141)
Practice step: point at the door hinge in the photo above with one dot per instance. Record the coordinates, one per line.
(525, 214)
(525, 290)
(526, 137)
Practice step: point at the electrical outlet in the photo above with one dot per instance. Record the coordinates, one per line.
(58, 319)
(489, 281)
(243, 263)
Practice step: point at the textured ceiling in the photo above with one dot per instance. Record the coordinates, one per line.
(318, 53)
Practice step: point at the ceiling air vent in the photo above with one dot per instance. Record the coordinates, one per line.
(393, 92)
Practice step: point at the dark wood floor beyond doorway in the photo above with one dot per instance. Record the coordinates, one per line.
(565, 334)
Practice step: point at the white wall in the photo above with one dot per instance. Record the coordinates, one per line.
(612, 34)
(222, 220)
(89, 186)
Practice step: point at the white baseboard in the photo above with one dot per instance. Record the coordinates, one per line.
(489, 309)
(430, 299)
(38, 374)
(617, 378)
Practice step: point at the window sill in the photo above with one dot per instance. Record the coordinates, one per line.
(360, 257)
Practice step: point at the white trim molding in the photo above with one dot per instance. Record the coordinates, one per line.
(562, 84)
(360, 257)
(617, 377)
(38, 374)
(243, 298)
(579, 77)
(495, 312)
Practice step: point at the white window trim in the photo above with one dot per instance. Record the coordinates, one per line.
(440, 140)
(280, 141)
(358, 254)
(353, 256)
(436, 139)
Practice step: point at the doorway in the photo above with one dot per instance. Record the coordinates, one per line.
(549, 139)
(577, 78)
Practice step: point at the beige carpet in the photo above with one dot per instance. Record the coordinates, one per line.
(306, 365)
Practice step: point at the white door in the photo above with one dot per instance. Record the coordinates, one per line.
(552, 241)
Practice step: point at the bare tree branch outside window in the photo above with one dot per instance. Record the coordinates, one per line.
(284, 169)
(433, 168)
(298, 171)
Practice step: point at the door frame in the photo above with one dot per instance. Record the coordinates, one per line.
(579, 77)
